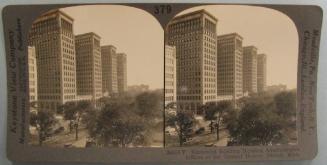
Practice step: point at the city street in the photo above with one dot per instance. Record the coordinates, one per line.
(203, 139)
(66, 139)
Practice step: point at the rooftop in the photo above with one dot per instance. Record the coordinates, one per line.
(202, 11)
(250, 47)
(56, 11)
(230, 34)
(86, 34)
(108, 47)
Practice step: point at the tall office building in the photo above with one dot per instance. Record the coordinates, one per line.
(229, 67)
(32, 74)
(88, 65)
(170, 74)
(53, 38)
(121, 73)
(261, 72)
(109, 70)
(250, 69)
(195, 37)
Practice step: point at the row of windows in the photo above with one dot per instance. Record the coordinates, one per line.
(188, 97)
(69, 90)
(48, 97)
(32, 90)
(208, 91)
(44, 26)
(169, 90)
(69, 97)
(209, 26)
(169, 98)
(188, 25)
(169, 61)
(210, 97)
(168, 75)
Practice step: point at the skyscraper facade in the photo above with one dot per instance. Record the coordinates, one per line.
(53, 38)
(229, 66)
(250, 69)
(121, 73)
(261, 72)
(32, 74)
(88, 65)
(109, 70)
(170, 74)
(195, 38)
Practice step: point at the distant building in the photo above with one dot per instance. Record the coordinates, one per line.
(229, 67)
(250, 69)
(109, 70)
(261, 72)
(32, 74)
(141, 87)
(52, 36)
(88, 65)
(137, 89)
(121, 73)
(195, 38)
(170, 74)
(276, 88)
(84, 97)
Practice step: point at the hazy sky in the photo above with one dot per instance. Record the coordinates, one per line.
(140, 36)
(272, 32)
(133, 32)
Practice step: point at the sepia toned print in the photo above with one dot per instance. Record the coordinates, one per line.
(87, 82)
(234, 86)
(169, 82)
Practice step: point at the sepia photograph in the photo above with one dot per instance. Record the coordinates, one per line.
(167, 83)
(230, 77)
(220, 78)
(96, 78)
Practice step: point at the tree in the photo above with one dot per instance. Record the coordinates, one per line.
(117, 124)
(263, 119)
(183, 123)
(285, 108)
(73, 111)
(286, 104)
(256, 124)
(102, 130)
(149, 105)
(89, 119)
(215, 111)
(43, 121)
(129, 129)
(126, 120)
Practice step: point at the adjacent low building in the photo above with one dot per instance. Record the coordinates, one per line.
(32, 74)
(170, 74)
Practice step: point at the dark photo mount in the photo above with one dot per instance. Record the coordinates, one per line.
(185, 146)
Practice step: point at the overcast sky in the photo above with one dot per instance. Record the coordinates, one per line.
(133, 32)
(140, 36)
(272, 32)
